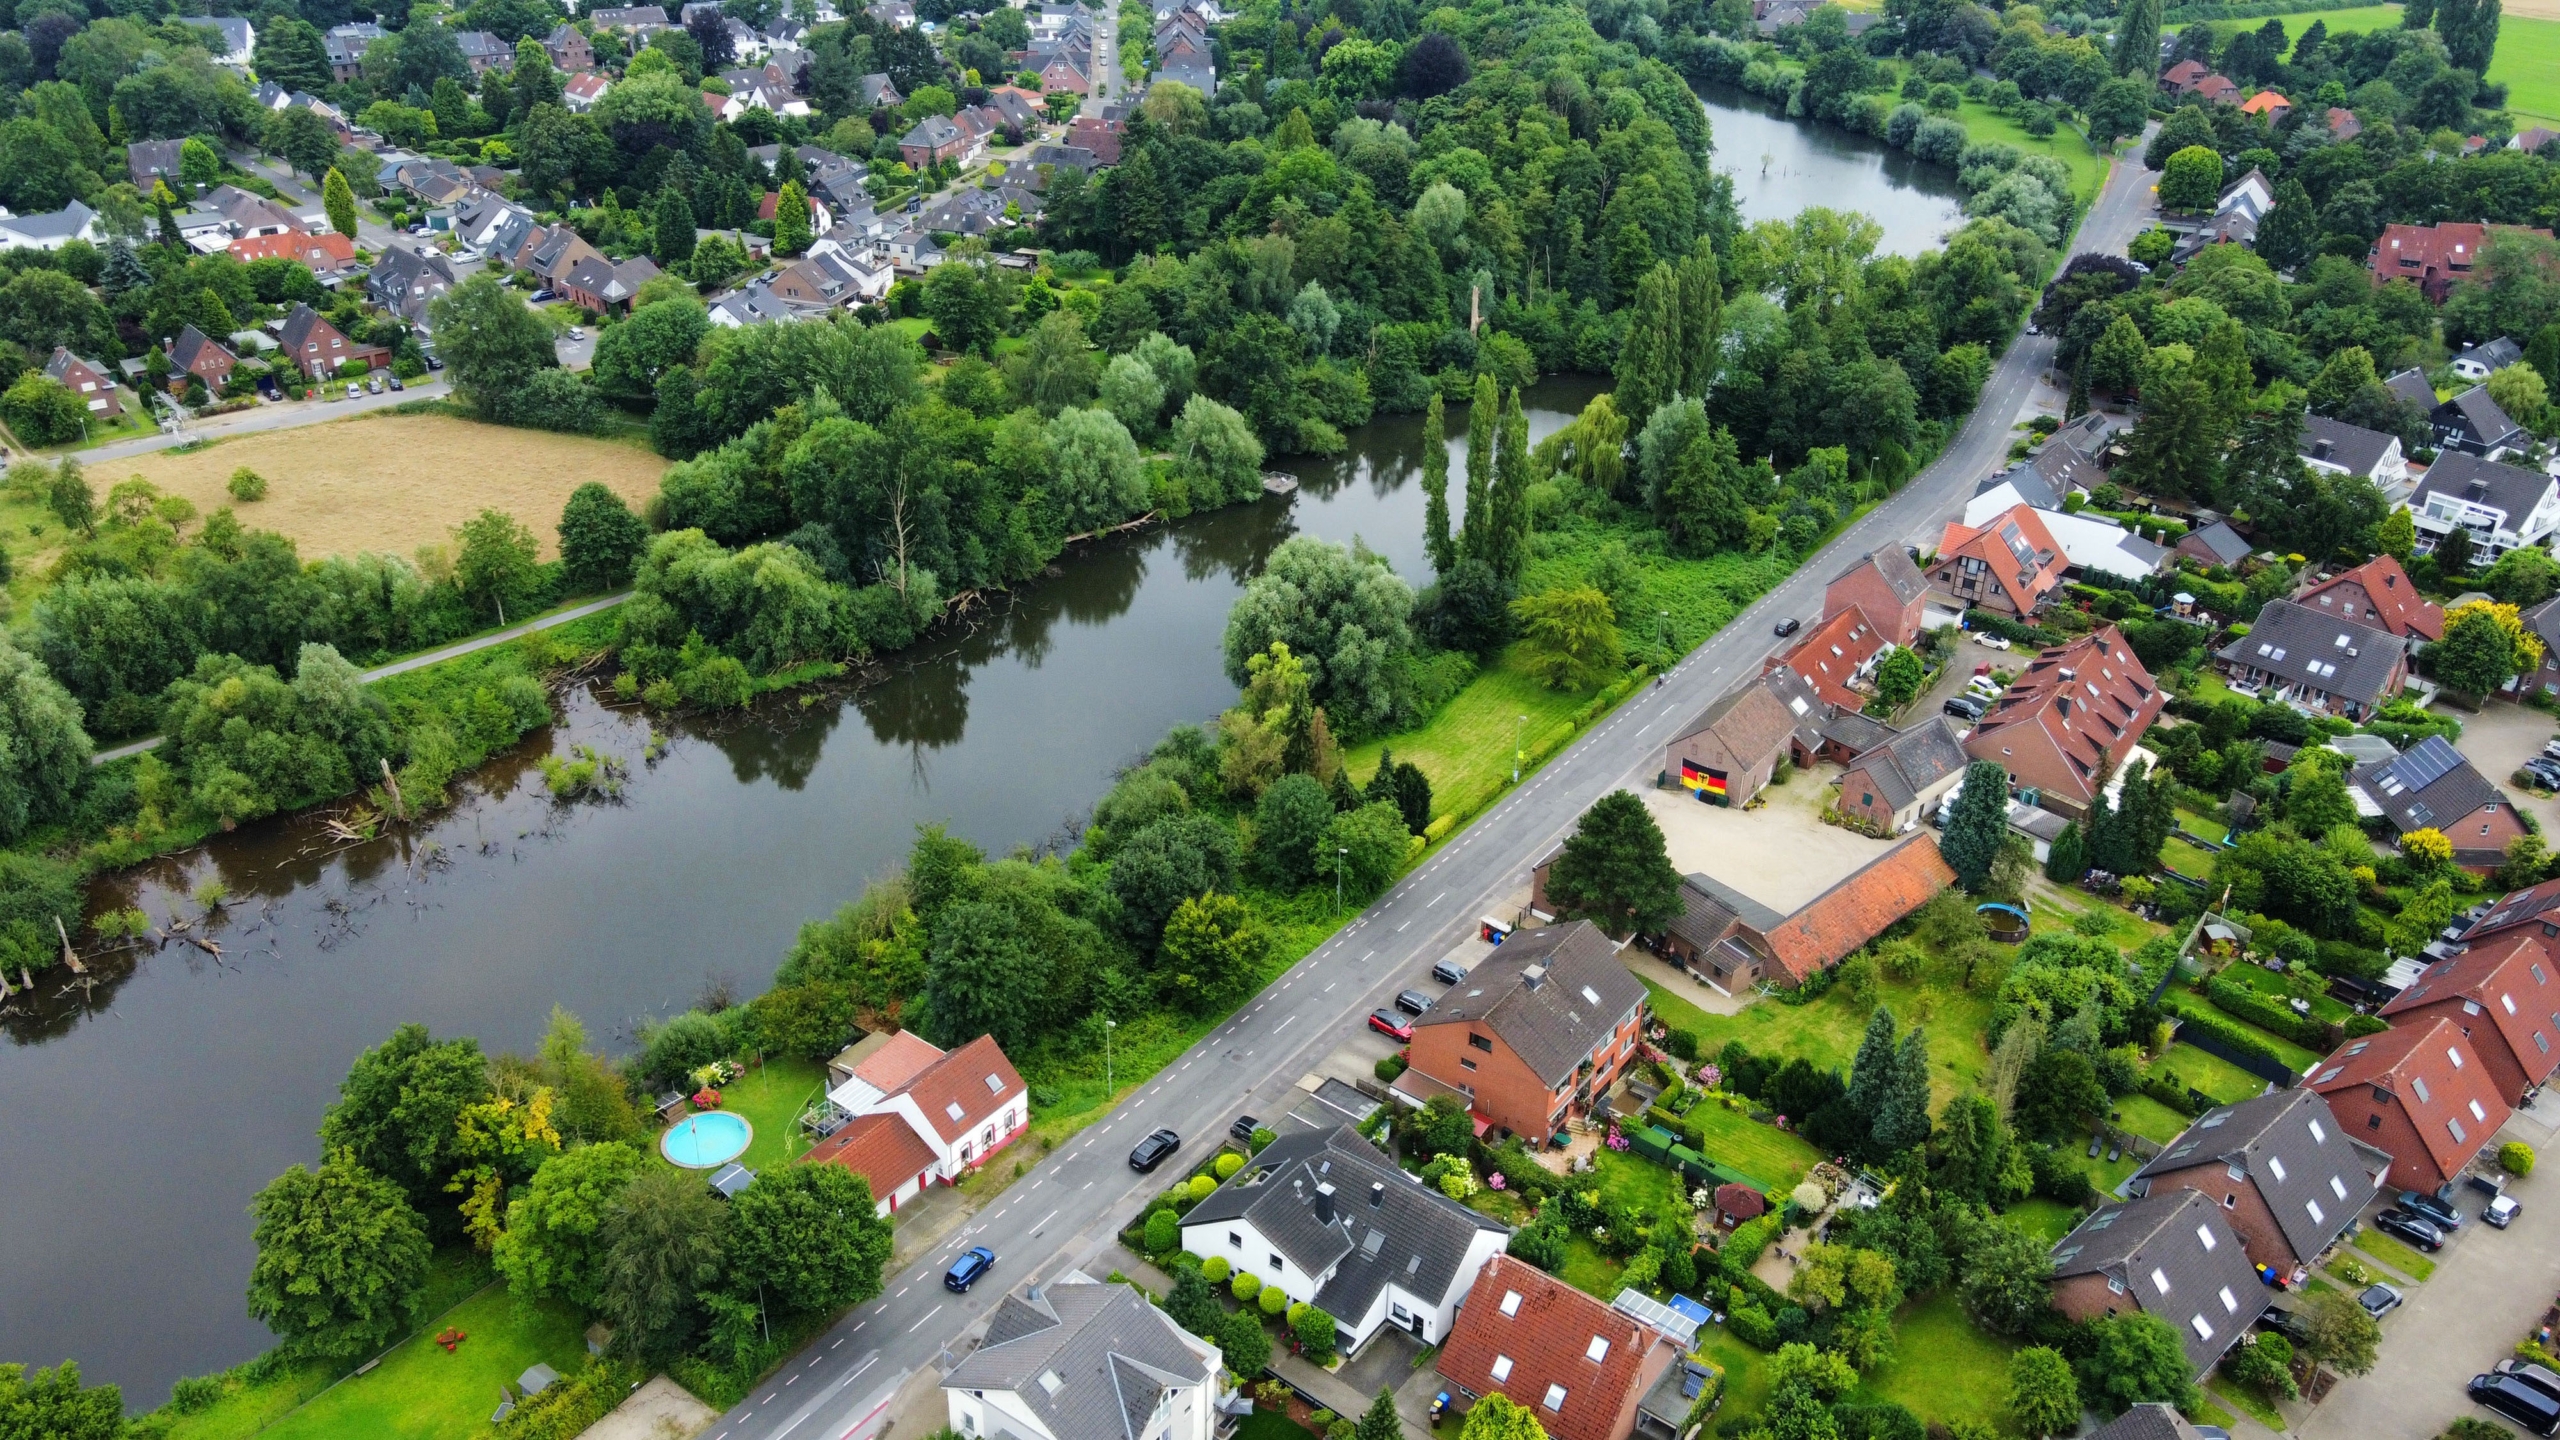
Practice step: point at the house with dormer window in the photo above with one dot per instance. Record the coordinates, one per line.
(2429, 786)
(2322, 662)
(2418, 1092)
(1581, 1367)
(2287, 1175)
(2069, 720)
(2503, 993)
(1075, 1360)
(2009, 564)
(912, 1114)
(1535, 1035)
(2172, 1255)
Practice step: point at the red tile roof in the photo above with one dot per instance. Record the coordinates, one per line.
(2434, 252)
(2402, 1062)
(2265, 102)
(1836, 649)
(1548, 1338)
(2027, 567)
(1858, 909)
(961, 1078)
(881, 1147)
(2184, 74)
(2071, 717)
(889, 1068)
(2397, 605)
(2511, 978)
(328, 250)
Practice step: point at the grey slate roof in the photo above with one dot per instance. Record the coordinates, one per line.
(2351, 448)
(2031, 485)
(1915, 759)
(2222, 542)
(2178, 1259)
(1709, 908)
(1386, 1226)
(2497, 355)
(1852, 730)
(2473, 411)
(1551, 994)
(2461, 474)
(2411, 385)
(2294, 1165)
(2428, 785)
(1088, 1359)
(2353, 661)
(2149, 1422)
(2544, 620)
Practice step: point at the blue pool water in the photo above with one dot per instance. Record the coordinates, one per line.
(713, 1137)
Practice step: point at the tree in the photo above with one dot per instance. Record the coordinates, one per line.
(1098, 478)
(2137, 1360)
(43, 411)
(2120, 356)
(554, 1243)
(2290, 233)
(397, 1109)
(1436, 540)
(2137, 52)
(1217, 449)
(2524, 576)
(600, 539)
(2337, 1332)
(2058, 1089)
(53, 1405)
(1212, 949)
(809, 1237)
(964, 306)
(1871, 1071)
(2043, 1396)
(1243, 1343)
(2264, 1363)
(1902, 1121)
(1650, 369)
(666, 1252)
(291, 53)
(339, 199)
(2521, 392)
(671, 228)
(491, 342)
(1475, 527)
(1980, 822)
(2066, 862)
(497, 561)
(1496, 1417)
(1131, 391)
(1315, 1332)
(1897, 678)
(1367, 844)
(2119, 109)
(1571, 635)
(342, 1257)
(1342, 610)
(2485, 645)
(2006, 1277)
(1055, 368)
(1615, 871)
(1163, 864)
(791, 233)
(2192, 181)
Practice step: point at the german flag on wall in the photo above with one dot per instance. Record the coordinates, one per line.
(1698, 777)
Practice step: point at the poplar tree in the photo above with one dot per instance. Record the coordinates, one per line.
(339, 199)
(1650, 363)
(1484, 415)
(2138, 41)
(1701, 321)
(1509, 539)
(671, 229)
(1435, 488)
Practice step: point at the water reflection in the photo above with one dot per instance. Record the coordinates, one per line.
(1781, 166)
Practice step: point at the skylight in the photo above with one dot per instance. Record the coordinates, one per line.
(954, 1111)
(1597, 1350)
(1510, 1302)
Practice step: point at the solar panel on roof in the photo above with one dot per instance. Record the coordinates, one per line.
(2426, 763)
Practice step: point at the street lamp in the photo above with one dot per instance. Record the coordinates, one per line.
(1515, 747)
(1662, 629)
(1107, 1027)
(1340, 853)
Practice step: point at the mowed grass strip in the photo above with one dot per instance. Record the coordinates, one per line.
(2394, 1254)
(1945, 1367)
(1465, 750)
(1826, 1031)
(420, 1392)
(2088, 167)
(391, 483)
(1776, 1159)
(2528, 64)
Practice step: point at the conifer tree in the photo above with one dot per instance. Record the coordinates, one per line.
(1509, 543)
(1902, 1121)
(1484, 417)
(1871, 1073)
(791, 220)
(339, 199)
(1615, 870)
(1436, 541)
(2138, 41)
(2066, 861)
(1701, 321)
(1981, 822)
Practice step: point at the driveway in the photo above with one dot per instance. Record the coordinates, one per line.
(2502, 737)
(2489, 1289)
(1781, 854)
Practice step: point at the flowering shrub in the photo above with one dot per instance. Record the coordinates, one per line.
(706, 1098)
(1495, 1181)
(1701, 1198)
(1616, 1140)
(1458, 1183)
(1709, 1077)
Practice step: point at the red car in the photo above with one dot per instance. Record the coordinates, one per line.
(1388, 1022)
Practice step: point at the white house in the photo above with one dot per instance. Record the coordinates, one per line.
(2343, 449)
(2503, 506)
(231, 39)
(1077, 1360)
(49, 231)
(1327, 1220)
(914, 1115)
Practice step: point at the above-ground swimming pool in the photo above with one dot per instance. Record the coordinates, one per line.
(710, 1137)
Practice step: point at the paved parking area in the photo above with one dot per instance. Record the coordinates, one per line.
(2502, 737)
(2489, 1288)
(1781, 854)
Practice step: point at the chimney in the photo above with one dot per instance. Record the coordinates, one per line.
(1377, 1193)
(1324, 1204)
(1533, 977)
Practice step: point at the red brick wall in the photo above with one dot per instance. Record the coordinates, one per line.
(1867, 590)
(1506, 1091)
(2086, 1297)
(1863, 799)
(2249, 1217)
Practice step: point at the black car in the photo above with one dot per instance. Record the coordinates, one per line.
(1413, 1002)
(2415, 1229)
(2539, 1377)
(1789, 626)
(2286, 1323)
(2513, 1400)
(1964, 707)
(2434, 1209)
(1150, 1152)
(1243, 1128)
(964, 1272)
(1448, 972)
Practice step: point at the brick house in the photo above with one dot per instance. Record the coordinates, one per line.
(2216, 544)
(327, 254)
(569, 48)
(1098, 134)
(934, 140)
(1536, 1034)
(85, 379)
(2378, 593)
(2295, 653)
(1836, 923)
(2172, 1255)
(1889, 587)
(2501, 994)
(2430, 786)
(1886, 788)
(1721, 935)
(2419, 1093)
(2069, 720)
(193, 353)
(2009, 564)
(1578, 1365)
(958, 1107)
(2288, 1176)
(308, 340)
(1838, 653)
(149, 162)
(1727, 754)
(2434, 255)
(2181, 78)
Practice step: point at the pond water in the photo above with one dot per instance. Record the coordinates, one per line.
(153, 1101)
(1781, 166)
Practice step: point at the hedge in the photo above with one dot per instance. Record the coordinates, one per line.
(2253, 10)
(2010, 630)
(2245, 1041)
(2269, 1014)
(570, 1407)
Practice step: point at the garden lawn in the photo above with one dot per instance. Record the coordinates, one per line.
(1465, 749)
(1746, 1379)
(1775, 1158)
(1639, 1184)
(1589, 1270)
(2394, 1254)
(2149, 1119)
(2047, 1219)
(1826, 1031)
(1944, 1367)
(420, 1391)
(2243, 1398)
(771, 1098)
(2198, 823)
(2268, 982)
(2088, 167)
(2212, 1074)
(2181, 1001)
(2528, 64)
(2186, 859)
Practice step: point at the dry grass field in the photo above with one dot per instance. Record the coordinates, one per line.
(391, 483)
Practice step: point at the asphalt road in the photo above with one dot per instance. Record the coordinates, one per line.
(1072, 1203)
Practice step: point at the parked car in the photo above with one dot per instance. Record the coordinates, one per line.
(2380, 1300)
(538, 296)
(1243, 1128)
(2552, 749)
(2540, 1377)
(1149, 1153)
(2501, 1212)
(1448, 972)
(434, 361)
(354, 390)
(1391, 1024)
(2434, 1208)
(1965, 707)
(577, 333)
(1789, 626)
(2412, 1228)
(2287, 1323)
(974, 1262)
(374, 384)
(1989, 641)
(2513, 1400)
(396, 385)
(1413, 1002)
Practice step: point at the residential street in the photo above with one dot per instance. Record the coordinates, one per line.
(1067, 1209)
(281, 415)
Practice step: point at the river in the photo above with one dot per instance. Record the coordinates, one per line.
(152, 1103)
